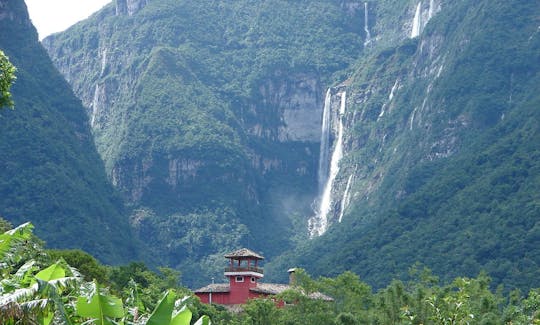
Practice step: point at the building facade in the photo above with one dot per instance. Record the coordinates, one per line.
(244, 274)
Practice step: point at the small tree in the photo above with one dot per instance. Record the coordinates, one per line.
(7, 77)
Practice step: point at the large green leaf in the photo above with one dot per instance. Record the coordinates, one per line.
(100, 307)
(204, 320)
(53, 272)
(183, 317)
(22, 232)
(163, 312)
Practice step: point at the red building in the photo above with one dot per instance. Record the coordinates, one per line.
(244, 273)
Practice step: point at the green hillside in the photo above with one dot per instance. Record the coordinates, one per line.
(50, 172)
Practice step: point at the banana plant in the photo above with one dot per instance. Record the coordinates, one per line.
(36, 300)
(165, 312)
(100, 308)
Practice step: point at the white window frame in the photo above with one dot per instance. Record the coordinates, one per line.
(239, 278)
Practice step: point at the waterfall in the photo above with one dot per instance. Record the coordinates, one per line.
(103, 61)
(431, 11)
(394, 87)
(324, 162)
(416, 21)
(319, 223)
(95, 105)
(345, 199)
(366, 25)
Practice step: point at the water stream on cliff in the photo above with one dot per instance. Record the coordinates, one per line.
(415, 31)
(345, 199)
(431, 11)
(366, 25)
(319, 223)
(95, 103)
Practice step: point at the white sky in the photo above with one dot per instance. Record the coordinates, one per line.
(51, 16)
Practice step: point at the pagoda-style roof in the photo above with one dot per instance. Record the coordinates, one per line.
(243, 252)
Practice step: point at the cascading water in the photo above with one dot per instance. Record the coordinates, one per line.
(95, 105)
(345, 199)
(103, 61)
(416, 21)
(324, 162)
(431, 11)
(390, 97)
(319, 223)
(367, 41)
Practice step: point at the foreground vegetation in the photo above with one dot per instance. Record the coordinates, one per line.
(40, 287)
(70, 287)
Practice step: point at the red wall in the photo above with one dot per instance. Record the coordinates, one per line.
(239, 291)
(221, 298)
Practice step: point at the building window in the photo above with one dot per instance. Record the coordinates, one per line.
(252, 279)
(239, 279)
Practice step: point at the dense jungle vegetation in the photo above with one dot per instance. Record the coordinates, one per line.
(41, 286)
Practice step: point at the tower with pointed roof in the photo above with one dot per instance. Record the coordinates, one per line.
(243, 272)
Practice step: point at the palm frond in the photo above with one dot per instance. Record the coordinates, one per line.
(35, 305)
(19, 295)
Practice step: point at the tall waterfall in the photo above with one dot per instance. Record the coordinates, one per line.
(416, 21)
(319, 223)
(366, 25)
(324, 162)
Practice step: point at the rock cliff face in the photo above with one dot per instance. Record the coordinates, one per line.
(294, 102)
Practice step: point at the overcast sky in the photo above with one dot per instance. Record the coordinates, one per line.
(51, 16)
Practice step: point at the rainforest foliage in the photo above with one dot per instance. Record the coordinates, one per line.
(42, 287)
(53, 287)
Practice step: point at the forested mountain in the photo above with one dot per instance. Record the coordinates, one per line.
(207, 115)
(212, 116)
(50, 171)
(441, 143)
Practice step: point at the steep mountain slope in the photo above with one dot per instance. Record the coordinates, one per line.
(207, 114)
(441, 153)
(50, 172)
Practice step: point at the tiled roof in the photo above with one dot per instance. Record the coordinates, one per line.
(215, 287)
(270, 288)
(244, 252)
